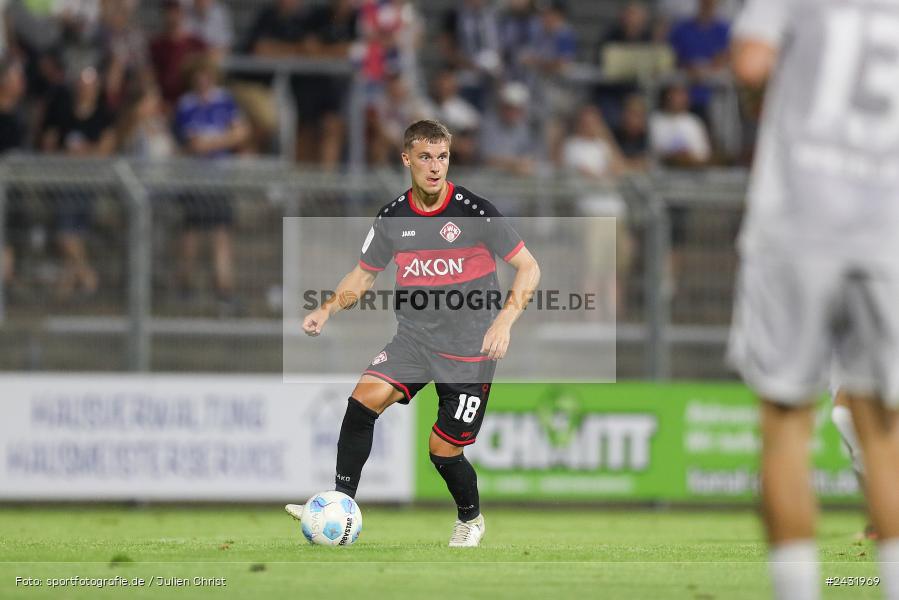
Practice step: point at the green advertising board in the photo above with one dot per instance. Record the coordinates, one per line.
(625, 441)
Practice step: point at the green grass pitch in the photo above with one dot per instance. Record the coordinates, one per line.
(528, 553)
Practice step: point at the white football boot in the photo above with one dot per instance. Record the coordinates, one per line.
(295, 510)
(468, 534)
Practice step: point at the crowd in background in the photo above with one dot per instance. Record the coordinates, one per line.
(88, 78)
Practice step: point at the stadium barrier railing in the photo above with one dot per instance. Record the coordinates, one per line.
(160, 303)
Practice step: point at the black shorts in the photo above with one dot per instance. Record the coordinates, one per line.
(463, 384)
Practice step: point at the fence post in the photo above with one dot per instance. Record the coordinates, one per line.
(139, 267)
(3, 201)
(287, 116)
(356, 123)
(658, 302)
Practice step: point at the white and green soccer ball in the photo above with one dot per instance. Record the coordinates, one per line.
(331, 519)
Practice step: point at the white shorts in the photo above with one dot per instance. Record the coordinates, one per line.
(799, 320)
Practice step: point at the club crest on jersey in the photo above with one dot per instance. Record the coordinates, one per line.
(381, 357)
(450, 232)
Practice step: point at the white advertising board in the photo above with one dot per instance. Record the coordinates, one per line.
(187, 437)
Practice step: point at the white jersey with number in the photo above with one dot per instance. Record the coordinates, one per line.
(826, 178)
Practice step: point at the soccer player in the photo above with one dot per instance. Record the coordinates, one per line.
(827, 168)
(443, 238)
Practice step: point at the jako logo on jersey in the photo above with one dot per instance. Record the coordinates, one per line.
(450, 232)
(410, 233)
(433, 266)
(381, 357)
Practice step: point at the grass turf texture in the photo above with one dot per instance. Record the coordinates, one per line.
(402, 553)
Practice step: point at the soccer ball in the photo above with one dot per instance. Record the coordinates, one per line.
(331, 519)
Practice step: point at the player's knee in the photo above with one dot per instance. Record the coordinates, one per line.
(376, 396)
(438, 459)
(442, 448)
(370, 401)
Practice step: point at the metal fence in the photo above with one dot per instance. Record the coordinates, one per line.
(176, 266)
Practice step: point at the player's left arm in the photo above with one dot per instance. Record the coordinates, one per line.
(527, 277)
(753, 61)
(758, 34)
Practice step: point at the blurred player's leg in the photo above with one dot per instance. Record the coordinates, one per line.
(788, 501)
(842, 419)
(878, 432)
(782, 343)
(188, 250)
(223, 261)
(370, 398)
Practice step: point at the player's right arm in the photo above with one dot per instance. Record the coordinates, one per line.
(377, 251)
(349, 290)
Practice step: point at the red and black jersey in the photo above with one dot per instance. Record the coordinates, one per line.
(447, 293)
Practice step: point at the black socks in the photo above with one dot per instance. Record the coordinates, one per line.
(354, 445)
(462, 482)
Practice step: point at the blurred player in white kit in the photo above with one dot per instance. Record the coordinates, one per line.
(819, 275)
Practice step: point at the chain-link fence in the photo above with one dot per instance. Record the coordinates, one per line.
(177, 266)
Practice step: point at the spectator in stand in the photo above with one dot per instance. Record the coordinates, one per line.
(80, 17)
(80, 20)
(517, 25)
(554, 48)
(172, 49)
(701, 45)
(277, 31)
(554, 44)
(674, 11)
(36, 35)
(125, 50)
(12, 137)
(631, 134)
(470, 43)
(391, 32)
(507, 141)
(678, 138)
(590, 152)
(399, 106)
(459, 115)
(78, 124)
(145, 132)
(633, 27)
(209, 125)
(286, 29)
(331, 33)
(12, 90)
(210, 20)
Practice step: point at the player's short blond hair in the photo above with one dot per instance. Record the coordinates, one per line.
(428, 130)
